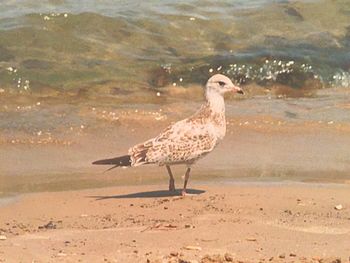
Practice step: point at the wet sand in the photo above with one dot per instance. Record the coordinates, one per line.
(253, 222)
(51, 147)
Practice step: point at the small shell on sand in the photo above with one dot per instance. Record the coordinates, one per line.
(338, 207)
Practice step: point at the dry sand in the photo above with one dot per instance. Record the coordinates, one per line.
(238, 222)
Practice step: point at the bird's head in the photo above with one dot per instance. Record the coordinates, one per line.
(221, 84)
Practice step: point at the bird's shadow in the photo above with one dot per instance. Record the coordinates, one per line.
(148, 194)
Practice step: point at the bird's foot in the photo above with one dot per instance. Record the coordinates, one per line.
(184, 193)
(172, 186)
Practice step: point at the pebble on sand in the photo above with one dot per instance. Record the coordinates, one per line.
(61, 254)
(3, 237)
(228, 257)
(174, 253)
(251, 239)
(193, 248)
(282, 256)
(338, 207)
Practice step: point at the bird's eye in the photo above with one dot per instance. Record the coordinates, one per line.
(221, 83)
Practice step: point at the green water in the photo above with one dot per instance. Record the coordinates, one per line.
(60, 46)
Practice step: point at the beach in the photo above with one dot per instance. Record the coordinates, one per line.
(237, 222)
(276, 189)
(84, 82)
(295, 143)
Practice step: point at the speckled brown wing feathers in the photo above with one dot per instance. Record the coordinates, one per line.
(183, 142)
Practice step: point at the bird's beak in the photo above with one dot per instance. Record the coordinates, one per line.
(237, 89)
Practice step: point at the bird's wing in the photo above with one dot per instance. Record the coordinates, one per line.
(179, 143)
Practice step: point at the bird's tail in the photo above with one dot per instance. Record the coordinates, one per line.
(122, 161)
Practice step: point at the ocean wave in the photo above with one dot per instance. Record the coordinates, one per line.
(64, 47)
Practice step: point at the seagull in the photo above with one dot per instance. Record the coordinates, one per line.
(185, 141)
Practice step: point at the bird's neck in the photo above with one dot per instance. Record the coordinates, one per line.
(216, 105)
(216, 101)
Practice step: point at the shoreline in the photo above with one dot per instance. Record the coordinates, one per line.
(250, 222)
(154, 175)
(256, 146)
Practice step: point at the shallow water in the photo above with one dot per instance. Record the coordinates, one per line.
(50, 146)
(55, 46)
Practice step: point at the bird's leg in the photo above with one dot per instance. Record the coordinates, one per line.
(171, 179)
(187, 175)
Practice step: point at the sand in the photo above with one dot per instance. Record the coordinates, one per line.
(267, 193)
(231, 222)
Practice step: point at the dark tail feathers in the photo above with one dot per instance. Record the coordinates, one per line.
(124, 160)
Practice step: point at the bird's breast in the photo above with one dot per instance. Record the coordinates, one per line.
(218, 123)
